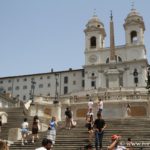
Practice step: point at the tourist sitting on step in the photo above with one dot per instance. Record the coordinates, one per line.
(68, 115)
(115, 144)
(46, 145)
(35, 128)
(24, 131)
(51, 133)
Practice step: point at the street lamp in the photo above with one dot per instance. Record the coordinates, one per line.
(32, 90)
(56, 90)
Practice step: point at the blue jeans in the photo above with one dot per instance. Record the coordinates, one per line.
(98, 139)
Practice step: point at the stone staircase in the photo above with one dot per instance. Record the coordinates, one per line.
(137, 129)
(76, 138)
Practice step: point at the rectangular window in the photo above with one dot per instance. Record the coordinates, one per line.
(65, 90)
(9, 88)
(17, 88)
(74, 82)
(48, 77)
(41, 78)
(24, 87)
(9, 81)
(66, 80)
(40, 85)
(1, 82)
(49, 85)
(74, 74)
(92, 83)
(17, 80)
(25, 79)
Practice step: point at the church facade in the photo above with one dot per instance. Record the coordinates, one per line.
(123, 66)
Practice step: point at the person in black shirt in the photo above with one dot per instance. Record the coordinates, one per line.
(68, 115)
(99, 126)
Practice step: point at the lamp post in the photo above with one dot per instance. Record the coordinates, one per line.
(32, 90)
(56, 90)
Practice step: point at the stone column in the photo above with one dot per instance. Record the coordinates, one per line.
(56, 111)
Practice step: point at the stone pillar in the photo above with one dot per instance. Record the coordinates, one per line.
(56, 111)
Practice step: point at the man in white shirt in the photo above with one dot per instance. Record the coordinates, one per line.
(46, 145)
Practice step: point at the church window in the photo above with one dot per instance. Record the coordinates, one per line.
(135, 75)
(93, 42)
(9, 81)
(134, 38)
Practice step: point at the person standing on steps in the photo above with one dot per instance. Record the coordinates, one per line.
(100, 105)
(99, 127)
(90, 105)
(35, 128)
(24, 131)
(51, 134)
(68, 115)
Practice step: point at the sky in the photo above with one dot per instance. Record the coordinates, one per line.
(37, 35)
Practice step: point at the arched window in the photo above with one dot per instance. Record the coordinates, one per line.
(134, 38)
(93, 42)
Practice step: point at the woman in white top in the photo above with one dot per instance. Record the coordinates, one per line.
(90, 105)
(24, 131)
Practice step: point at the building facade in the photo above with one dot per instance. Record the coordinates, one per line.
(105, 67)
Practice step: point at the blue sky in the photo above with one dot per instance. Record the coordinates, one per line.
(37, 35)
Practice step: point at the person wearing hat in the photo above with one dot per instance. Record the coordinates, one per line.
(115, 145)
